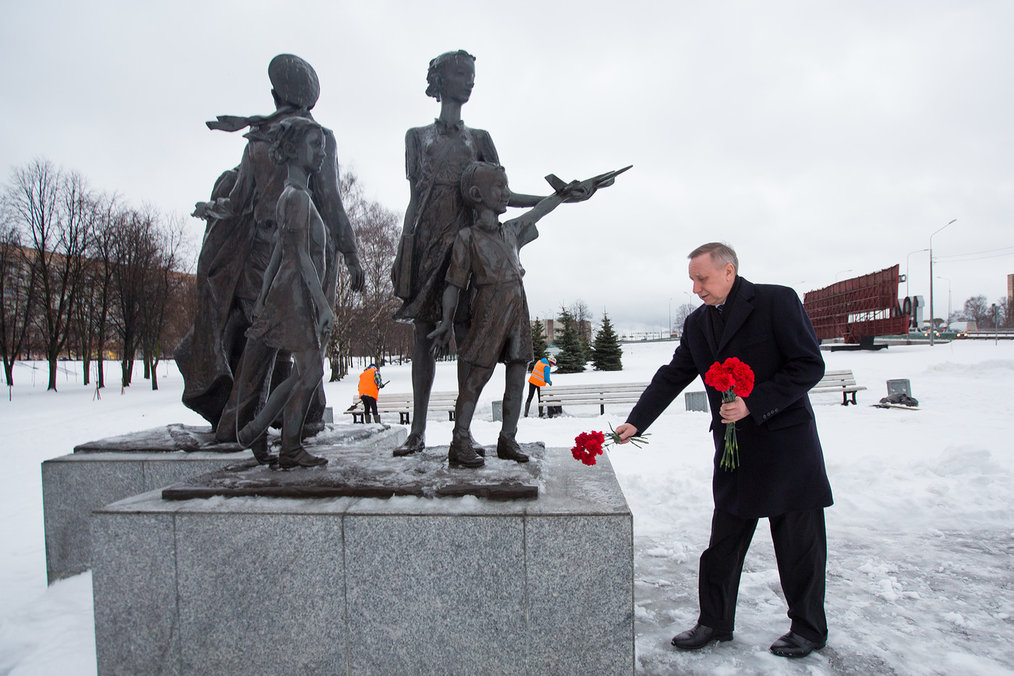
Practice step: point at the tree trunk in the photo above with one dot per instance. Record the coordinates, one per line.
(127, 369)
(52, 359)
(100, 377)
(9, 372)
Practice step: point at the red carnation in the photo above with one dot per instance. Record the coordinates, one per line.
(588, 445)
(732, 378)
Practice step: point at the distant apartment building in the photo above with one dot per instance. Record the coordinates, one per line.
(551, 326)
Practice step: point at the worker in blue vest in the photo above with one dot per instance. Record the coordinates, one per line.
(539, 379)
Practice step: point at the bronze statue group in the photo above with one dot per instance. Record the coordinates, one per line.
(266, 282)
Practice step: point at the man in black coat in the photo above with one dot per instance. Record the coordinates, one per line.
(781, 474)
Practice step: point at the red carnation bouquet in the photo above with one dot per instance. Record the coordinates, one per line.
(589, 445)
(733, 378)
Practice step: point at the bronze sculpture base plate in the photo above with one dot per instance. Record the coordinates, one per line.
(369, 473)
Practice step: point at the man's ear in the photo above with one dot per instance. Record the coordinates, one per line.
(475, 194)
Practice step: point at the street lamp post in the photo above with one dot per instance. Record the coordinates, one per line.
(931, 279)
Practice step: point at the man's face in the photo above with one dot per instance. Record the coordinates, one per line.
(712, 278)
(457, 80)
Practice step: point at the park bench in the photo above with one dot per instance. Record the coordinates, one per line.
(401, 403)
(557, 396)
(839, 381)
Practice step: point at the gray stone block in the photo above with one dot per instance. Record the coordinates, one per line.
(899, 386)
(373, 586)
(581, 596)
(136, 621)
(73, 485)
(259, 589)
(441, 593)
(107, 470)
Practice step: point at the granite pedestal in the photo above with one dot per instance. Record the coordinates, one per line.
(103, 471)
(256, 585)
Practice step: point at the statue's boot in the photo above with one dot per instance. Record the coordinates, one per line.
(462, 453)
(298, 457)
(507, 448)
(476, 446)
(413, 444)
(260, 451)
(258, 427)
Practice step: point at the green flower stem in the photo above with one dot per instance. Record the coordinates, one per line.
(730, 456)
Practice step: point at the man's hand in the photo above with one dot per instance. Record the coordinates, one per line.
(626, 430)
(356, 275)
(733, 410)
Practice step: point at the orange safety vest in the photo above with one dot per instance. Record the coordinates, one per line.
(368, 384)
(538, 377)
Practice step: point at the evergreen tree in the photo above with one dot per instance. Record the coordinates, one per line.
(606, 352)
(539, 339)
(571, 358)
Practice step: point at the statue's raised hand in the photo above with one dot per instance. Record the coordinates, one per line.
(579, 191)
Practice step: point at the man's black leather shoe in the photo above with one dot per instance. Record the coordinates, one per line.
(794, 645)
(699, 636)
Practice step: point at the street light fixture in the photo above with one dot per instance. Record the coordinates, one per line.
(931, 279)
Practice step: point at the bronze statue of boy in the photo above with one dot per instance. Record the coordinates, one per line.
(485, 259)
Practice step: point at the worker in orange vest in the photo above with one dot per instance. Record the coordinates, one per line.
(370, 383)
(539, 379)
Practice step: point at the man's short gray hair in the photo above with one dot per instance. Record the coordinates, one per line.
(719, 252)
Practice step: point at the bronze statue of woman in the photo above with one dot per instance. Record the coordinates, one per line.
(435, 158)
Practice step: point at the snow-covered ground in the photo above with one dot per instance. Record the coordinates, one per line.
(921, 536)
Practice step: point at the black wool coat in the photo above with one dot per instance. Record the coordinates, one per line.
(781, 462)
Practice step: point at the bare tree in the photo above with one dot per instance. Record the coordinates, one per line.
(377, 236)
(582, 319)
(679, 317)
(161, 283)
(91, 308)
(134, 253)
(364, 325)
(102, 253)
(51, 207)
(17, 292)
(977, 310)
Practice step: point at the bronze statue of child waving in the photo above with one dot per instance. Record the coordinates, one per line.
(484, 258)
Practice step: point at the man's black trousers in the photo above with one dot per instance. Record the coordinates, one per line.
(800, 542)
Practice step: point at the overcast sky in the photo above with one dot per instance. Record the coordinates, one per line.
(823, 140)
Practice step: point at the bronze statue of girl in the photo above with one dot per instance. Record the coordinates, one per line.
(292, 314)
